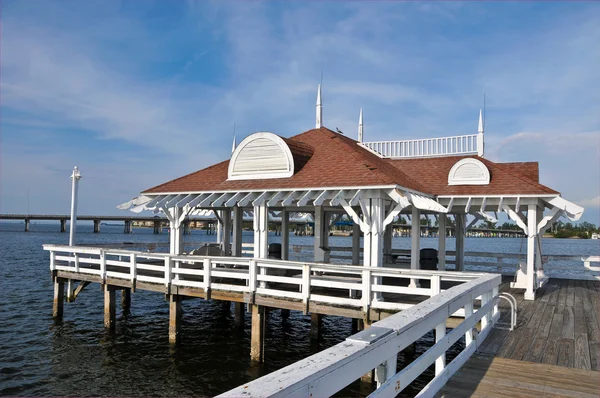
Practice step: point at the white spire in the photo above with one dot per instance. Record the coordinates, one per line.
(360, 127)
(234, 143)
(319, 123)
(480, 129)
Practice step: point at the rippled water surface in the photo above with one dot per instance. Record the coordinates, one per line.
(77, 357)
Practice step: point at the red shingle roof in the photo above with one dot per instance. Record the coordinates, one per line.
(326, 159)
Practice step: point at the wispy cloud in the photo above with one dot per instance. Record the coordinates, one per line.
(143, 100)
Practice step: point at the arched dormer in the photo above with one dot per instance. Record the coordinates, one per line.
(261, 155)
(469, 171)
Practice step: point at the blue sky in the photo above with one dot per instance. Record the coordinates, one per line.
(139, 92)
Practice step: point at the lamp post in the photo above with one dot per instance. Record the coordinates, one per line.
(75, 177)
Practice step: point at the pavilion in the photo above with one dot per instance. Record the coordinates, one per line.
(328, 174)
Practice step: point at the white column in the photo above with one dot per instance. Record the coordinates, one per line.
(75, 177)
(531, 233)
(387, 244)
(176, 235)
(226, 217)
(236, 246)
(460, 241)
(355, 244)
(442, 242)
(415, 252)
(285, 234)
(219, 226)
(319, 240)
(261, 231)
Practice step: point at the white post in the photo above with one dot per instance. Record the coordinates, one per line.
(360, 127)
(236, 246)
(531, 233)
(319, 240)
(261, 236)
(285, 234)
(226, 217)
(415, 252)
(219, 226)
(319, 121)
(176, 241)
(75, 177)
(480, 145)
(460, 241)
(355, 244)
(442, 242)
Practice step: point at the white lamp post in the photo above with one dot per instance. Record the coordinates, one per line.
(75, 182)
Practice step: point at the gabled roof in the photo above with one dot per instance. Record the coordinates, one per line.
(336, 161)
(329, 160)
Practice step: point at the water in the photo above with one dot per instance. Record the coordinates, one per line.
(77, 357)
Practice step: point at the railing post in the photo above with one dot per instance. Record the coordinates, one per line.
(366, 289)
(386, 370)
(306, 285)
(440, 362)
(76, 262)
(494, 295)
(52, 260)
(207, 268)
(133, 268)
(468, 314)
(103, 265)
(167, 271)
(252, 276)
(436, 282)
(485, 320)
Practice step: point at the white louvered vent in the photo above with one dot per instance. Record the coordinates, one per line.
(261, 156)
(469, 171)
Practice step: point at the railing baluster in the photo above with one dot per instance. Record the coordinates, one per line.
(76, 262)
(167, 271)
(103, 265)
(133, 267)
(206, 274)
(252, 276)
(366, 289)
(468, 314)
(305, 284)
(52, 260)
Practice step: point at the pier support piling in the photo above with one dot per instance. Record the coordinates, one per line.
(128, 227)
(59, 298)
(96, 226)
(126, 298)
(257, 334)
(239, 315)
(110, 309)
(175, 315)
(63, 225)
(315, 326)
(157, 227)
(70, 290)
(285, 314)
(27, 222)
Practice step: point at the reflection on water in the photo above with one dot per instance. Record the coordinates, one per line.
(77, 357)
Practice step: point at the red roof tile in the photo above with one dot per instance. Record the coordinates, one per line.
(325, 159)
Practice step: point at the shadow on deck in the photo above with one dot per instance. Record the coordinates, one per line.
(553, 351)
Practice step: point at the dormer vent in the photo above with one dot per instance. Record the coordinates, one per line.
(261, 155)
(469, 171)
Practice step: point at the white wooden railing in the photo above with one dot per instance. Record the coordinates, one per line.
(377, 347)
(276, 278)
(426, 147)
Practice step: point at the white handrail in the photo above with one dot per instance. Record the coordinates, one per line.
(252, 275)
(329, 371)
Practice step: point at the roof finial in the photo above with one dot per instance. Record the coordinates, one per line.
(480, 129)
(360, 127)
(234, 143)
(319, 123)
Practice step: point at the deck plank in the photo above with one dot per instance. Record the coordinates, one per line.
(501, 377)
(582, 358)
(566, 353)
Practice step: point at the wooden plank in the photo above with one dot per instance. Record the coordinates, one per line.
(566, 353)
(552, 346)
(536, 352)
(562, 296)
(570, 301)
(568, 326)
(594, 355)
(582, 358)
(501, 377)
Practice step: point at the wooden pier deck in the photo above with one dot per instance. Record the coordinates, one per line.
(553, 351)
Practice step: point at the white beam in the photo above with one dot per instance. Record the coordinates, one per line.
(221, 199)
(290, 198)
(468, 206)
(516, 217)
(320, 198)
(246, 200)
(275, 198)
(234, 199)
(262, 199)
(304, 198)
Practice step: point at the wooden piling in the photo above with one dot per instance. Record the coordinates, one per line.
(63, 225)
(239, 314)
(175, 315)
(59, 298)
(257, 334)
(315, 326)
(96, 226)
(110, 309)
(27, 221)
(285, 314)
(126, 298)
